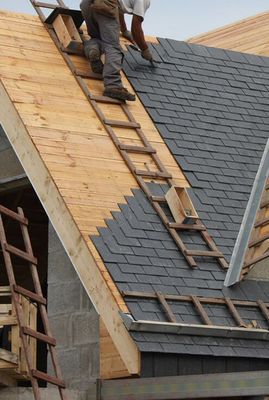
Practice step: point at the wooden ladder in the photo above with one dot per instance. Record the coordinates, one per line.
(126, 151)
(36, 297)
(258, 247)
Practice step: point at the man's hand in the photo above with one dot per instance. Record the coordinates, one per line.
(128, 35)
(146, 54)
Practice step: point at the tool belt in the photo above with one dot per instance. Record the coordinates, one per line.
(109, 8)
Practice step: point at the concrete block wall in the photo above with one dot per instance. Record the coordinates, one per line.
(46, 394)
(10, 165)
(74, 321)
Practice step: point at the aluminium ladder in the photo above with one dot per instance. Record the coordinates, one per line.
(35, 296)
(127, 150)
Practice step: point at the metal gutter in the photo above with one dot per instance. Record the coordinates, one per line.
(192, 329)
(187, 387)
(242, 241)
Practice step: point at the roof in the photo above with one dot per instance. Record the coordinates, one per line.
(72, 163)
(248, 35)
(211, 108)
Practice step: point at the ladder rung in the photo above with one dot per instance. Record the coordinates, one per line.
(39, 336)
(137, 149)
(198, 253)
(153, 174)
(27, 293)
(88, 74)
(258, 241)
(122, 124)
(158, 199)
(256, 260)
(264, 204)
(105, 99)
(48, 378)
(46, 5)
(20, 253)
(75, 50)
(13, 215)
(186, 227)
(262, 222)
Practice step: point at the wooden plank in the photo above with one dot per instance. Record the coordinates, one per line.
(264, 309)
(105, 99)
(153, 174)
(201, 253)
(39, 336)
(258, 241)
(137, 149)
(246, 36)
(48, 378)
(204, 300)
(234, 312)
(6, 355)
(255, 260)
(13, 215)
(167, 309)
(8, 320)
(31, 295)
(5, 291)
(66, 31)
(111, 364)
(181, 205)
(89, 75)
(201, 311)
(122, 124)
(187, 227)
(5, 308)
(64, 225)
(19, 253)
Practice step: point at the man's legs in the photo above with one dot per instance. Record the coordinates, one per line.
(110, 33)
(92, 47)
(105, 32)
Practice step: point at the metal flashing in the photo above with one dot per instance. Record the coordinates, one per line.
(193, 329)
(242, 241)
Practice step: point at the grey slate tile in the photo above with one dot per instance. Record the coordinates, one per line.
(211, 108)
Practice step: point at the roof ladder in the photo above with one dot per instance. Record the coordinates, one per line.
(142, 176)
(35, 296)
(258, 246)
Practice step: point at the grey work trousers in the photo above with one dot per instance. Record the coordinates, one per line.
(104, 33)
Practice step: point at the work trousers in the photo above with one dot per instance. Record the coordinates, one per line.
(104, 33)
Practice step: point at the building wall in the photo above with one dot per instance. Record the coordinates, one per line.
(260, 271)
(158, 364)
(10, 165)
(74, 321)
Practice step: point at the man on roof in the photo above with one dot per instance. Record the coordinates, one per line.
(105, 20)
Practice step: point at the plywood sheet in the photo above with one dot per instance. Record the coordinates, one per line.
(248, 35)
(67, 136)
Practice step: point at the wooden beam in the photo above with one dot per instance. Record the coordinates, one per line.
(68, 232)
(213, 386)
(6, 355)
(111, 364)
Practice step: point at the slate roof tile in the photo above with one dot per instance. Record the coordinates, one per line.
(211, 107)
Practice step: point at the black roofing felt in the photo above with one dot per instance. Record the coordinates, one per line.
(212, 109)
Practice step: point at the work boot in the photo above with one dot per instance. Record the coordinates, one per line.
(97, 65)
(119, 93)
